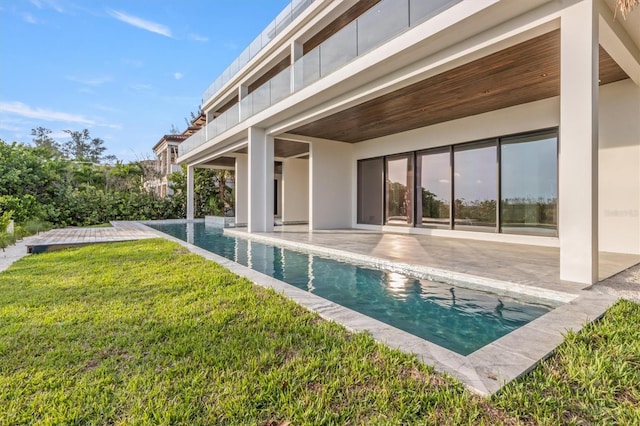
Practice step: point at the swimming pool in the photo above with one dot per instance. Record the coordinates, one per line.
(459, 319)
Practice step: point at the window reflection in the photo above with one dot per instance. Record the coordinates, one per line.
(528, 189)
(529, 185)
(475, 186)
(399, 190)
(433, 193)
(370, 190)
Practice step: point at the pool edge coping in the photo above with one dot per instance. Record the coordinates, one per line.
(484, 371)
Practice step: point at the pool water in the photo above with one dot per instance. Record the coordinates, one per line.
(456, 318)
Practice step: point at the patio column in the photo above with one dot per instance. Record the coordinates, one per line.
(330, 177)
(190, 209)
(578, 157)
(241, 189)
(260, 181)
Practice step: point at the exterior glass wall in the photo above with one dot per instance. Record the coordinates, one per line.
(399, 190)
(370, 190)
(433, 188)
(529, 185)
(475, 186)
(518, 172)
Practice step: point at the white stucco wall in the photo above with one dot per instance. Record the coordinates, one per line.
(619, 164)
(330, 202)
(295, 190)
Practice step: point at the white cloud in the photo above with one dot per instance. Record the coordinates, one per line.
(141, 86)
(133, 62)
(52, 4)
(197, 37)
(9, 127)
(106, 108)
(59, 135)
(90, 81)
(153, 27)
(178, 75)
(22, 110)
(29, 18)
(111, 126)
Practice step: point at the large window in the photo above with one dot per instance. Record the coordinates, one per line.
(507, 184)
(370, 190)
(399, 190)
(529, 185)
(475, 186)
(433, 188)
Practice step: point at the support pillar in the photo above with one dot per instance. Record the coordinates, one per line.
(330, 176)
(241, 189)
(190, 206)
(260, 181)
(578, 158)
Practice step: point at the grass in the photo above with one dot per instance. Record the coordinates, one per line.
(145, 333)
(593, 378)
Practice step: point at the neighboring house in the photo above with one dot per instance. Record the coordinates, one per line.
(501, 120)
(166, 151)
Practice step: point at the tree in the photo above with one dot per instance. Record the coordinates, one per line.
(212, 193)
(42, 140)
(82, 147)
(174, 130)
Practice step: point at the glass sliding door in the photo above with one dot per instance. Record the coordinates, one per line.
(370, 191)
(399, 190)
(475, 186)
(433, 188)
(529, 185)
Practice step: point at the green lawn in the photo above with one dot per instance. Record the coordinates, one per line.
(146, 333)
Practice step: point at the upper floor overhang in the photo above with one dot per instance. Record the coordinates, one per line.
(469, 58)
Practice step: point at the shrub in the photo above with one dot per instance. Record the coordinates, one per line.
(6, 239)
(36, 226)
(24, 207)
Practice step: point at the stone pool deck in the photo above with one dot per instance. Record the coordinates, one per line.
(515, 270)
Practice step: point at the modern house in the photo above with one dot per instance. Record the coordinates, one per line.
(500, 120)
(166, 152)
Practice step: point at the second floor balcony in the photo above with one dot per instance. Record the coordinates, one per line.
(377, 26)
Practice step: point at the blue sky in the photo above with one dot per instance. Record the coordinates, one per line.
(125, 70)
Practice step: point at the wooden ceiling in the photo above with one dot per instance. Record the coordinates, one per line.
(223, 162)
(284, 148)
(523, 73)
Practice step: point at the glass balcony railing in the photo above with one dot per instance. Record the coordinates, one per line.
(276, 89)
(192, 142)
(373, 28)
(293, 9)
(383, 22)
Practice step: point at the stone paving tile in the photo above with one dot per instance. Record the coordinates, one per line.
(120, 231)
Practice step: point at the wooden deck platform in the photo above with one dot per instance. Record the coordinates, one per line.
(58, 239)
